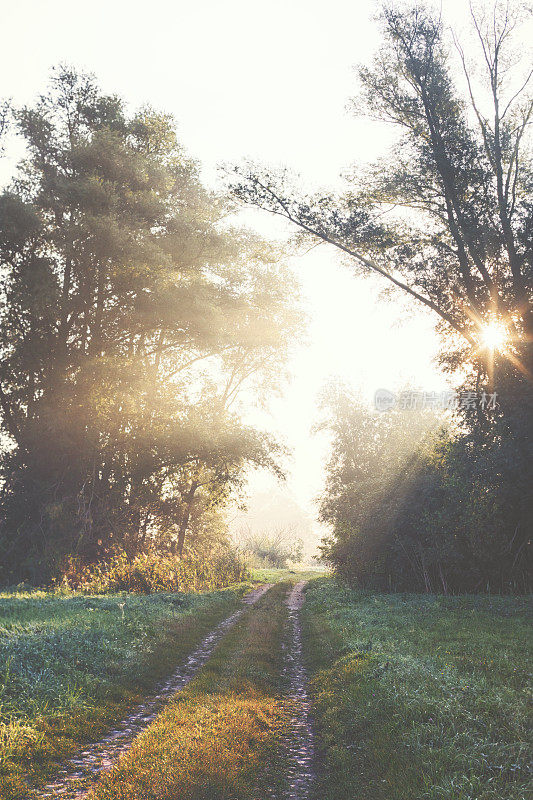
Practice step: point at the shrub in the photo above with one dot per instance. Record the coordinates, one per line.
(275, 549)
(152, 572)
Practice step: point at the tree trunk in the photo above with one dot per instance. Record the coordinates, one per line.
(189, 499)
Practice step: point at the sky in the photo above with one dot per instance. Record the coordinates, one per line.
(268, 81)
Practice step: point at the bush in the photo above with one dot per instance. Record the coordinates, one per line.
(417, 507)
(272, 550)
(152, 572)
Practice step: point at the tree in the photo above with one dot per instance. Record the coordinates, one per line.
(4, 123)
(446, 219)
(465, 251)
(132, 316)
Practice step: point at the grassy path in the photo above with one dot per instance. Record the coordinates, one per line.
(222, 737)
(72, 665)
(232, 722)
(300, 737)
(238, 728)
(80, 772)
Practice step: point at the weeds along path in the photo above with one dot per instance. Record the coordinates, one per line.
(299, 740)
(79, 773)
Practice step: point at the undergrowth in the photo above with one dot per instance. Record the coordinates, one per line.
(153, 572)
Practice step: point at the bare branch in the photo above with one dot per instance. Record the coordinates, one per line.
(286, 213)
(517, 94)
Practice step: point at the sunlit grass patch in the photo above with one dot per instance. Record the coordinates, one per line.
(208, 748)
(72, 665)
(290, 575)
(220, 737)
(419, 697)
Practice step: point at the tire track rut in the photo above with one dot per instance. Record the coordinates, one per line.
(300, 744)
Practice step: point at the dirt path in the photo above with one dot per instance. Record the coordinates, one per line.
(300, 740)
(79, 773)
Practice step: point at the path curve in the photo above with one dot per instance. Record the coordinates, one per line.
(81, 772)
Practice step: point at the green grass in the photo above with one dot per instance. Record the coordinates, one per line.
(273, 575)
(215, 740)
(419, 697)
(70, 665)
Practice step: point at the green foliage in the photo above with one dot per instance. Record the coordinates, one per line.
(132, 317)
(416, 507)
(417, 696)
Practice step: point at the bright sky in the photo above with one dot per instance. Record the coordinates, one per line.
(267, 81)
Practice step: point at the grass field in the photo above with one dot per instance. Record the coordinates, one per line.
(415, 697)
(419, 697)
(273, 575)
(71, 665)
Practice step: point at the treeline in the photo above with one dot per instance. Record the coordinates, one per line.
(417, 503)
(133, 315)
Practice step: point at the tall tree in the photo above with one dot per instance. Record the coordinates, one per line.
(464, 250)
(447, 218)
(132, 313)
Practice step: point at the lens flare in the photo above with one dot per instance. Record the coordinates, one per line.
(493, 336)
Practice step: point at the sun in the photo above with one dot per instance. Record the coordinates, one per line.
(493, 336)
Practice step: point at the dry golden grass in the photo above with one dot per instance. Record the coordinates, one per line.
(205, 748)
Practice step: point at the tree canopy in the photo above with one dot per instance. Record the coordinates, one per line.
(133, 315)
(460, 173)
